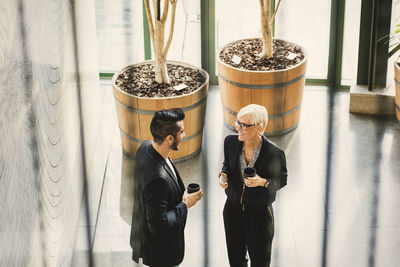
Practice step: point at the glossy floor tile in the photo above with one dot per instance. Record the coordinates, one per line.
(340, 206)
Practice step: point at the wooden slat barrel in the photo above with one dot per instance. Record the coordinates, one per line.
(397, 94)
(279, 91)
(135, 114)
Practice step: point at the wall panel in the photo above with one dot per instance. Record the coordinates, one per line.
(41, 182)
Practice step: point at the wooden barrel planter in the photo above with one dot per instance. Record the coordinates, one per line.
(135, 114)
(397, 94)
(280, 91)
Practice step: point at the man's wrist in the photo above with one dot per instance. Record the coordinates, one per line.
(185, 204)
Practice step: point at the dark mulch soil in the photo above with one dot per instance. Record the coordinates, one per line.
(140, 81)
(248, 50)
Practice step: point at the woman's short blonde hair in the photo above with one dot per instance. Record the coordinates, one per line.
(258, 114)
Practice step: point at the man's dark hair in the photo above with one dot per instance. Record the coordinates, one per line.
(164, 123)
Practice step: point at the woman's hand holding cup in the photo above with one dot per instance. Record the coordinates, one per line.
(254, 181)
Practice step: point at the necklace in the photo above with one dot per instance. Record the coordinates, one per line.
(249, 151)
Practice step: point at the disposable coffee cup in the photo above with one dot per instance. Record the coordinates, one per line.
(193, 187)
(249, 172)
(224, 178)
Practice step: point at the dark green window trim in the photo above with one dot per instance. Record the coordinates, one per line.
(273, 10)
(311, 81)
(373, 55)
(336, 44)
(208, 39)
(106, 75)
(146, 35)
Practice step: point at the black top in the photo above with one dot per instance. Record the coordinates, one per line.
(270, 164)
(159, 215)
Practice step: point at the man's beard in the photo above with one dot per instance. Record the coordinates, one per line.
(175, 145)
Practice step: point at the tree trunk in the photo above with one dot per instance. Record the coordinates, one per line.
(267, 51)
(157, 28)
(161, 71)
(160, 66)
(265, 7)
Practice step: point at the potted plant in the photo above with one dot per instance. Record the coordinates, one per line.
(266, 71)
(394, 47)
(143, 88)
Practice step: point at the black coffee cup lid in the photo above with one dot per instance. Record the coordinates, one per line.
(249, 172)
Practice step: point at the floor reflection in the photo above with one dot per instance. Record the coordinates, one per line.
(362, 216)
(126, 196)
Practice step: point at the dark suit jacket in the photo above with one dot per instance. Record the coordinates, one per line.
(159, 215)
(270, 164)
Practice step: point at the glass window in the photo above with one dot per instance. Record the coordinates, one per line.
(119, 33)
(350, 41)
(306, 23)
(237, 19)
(186, 42)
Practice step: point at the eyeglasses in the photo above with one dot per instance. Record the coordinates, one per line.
(242, 125)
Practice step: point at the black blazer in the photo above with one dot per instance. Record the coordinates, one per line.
(159, 215)
(271, 164)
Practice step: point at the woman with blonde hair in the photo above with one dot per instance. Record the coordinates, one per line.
(248, 214)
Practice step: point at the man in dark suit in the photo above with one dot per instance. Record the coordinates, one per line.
(160, 199)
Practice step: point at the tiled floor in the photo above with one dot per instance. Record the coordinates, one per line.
(341, 202)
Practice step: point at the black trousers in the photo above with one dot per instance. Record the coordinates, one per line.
(250, 231)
